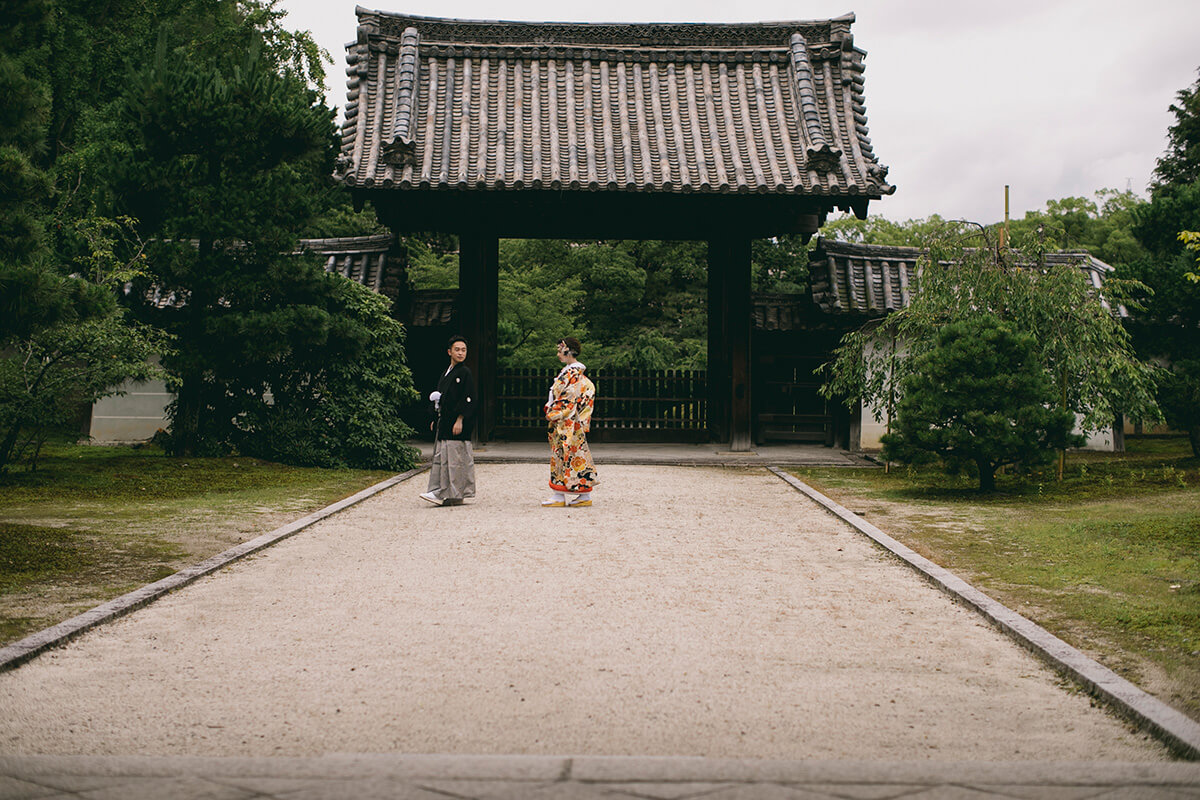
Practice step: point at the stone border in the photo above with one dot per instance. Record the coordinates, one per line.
(35, 644)
(640, 776)
(1179, 732)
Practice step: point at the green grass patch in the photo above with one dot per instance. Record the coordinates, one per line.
(1109, 559)
(120, 474)
(29, 553)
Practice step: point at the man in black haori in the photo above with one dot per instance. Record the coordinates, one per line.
(452, 471)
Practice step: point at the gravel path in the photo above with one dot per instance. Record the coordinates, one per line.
(691, 611)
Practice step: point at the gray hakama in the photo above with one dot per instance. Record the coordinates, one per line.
(452, 471)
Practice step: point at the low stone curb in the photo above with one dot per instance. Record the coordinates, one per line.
(19, 652)
(1176, 730)
(403, 775)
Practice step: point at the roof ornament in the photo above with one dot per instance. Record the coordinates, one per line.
(400, 150)
(821, 155)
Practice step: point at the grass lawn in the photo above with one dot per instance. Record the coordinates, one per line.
(1108, 560)
(95, 522)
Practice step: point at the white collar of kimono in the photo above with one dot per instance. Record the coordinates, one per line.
(573, 365)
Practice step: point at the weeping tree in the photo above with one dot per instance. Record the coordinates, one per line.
(1079, 341)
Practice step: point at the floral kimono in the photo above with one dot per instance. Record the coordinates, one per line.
(569, 409)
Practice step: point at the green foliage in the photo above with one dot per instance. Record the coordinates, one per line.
(979, 396)
(1179, 396)
(221, 164)
(1103, 227)
(1167, 329)
(337, 406)
(1180, 165)
(46, 378)
(34, 294)
(1168, 326)
(429, 267)
(91, 47)
(1080, 344)
(183, 178)
(634, 304)
(337, 218)
(63, 343)
(779, 265)
(1191, 240)
(639, 304)
(539, 293)
(877, 230)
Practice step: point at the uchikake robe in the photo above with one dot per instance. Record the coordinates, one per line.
(569, 411)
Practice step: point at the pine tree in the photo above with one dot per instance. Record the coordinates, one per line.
(980, 396)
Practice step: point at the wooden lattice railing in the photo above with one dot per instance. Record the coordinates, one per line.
(629, 402)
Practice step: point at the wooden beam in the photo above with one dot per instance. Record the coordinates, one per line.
(536, 214)
(476, 317)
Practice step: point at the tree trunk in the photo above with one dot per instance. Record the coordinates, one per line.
(1194, 438)
(1062, 454)
(987, 476)
(10, 443)
(185, 427)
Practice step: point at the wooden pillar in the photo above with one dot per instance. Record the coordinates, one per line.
(730, 258)
(476, 315)
(718, 350)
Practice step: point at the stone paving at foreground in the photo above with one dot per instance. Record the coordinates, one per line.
(713, 615)
(444, 777)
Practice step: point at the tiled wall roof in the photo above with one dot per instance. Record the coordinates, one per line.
(368, 260)
(873, 280)
(764, 108)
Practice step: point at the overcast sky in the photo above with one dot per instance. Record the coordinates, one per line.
(1052, 97)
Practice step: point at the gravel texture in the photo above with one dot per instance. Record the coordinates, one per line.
(690, 611)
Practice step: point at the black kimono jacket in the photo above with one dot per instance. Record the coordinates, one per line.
(458, 399)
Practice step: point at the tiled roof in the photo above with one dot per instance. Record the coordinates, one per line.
(365, 259)
(780, 312)
(679, 108)
(873, 280)
(432, 307)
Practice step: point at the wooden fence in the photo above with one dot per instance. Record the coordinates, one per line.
(630, 404)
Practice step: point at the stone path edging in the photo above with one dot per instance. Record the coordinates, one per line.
(403, 775)
(19, 652)
(1179, 732)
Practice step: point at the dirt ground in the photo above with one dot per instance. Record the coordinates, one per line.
(690, 611)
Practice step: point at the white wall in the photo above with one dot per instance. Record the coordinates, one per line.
(133, 417)
(871, 430)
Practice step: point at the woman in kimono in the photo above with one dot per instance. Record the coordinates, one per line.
(569, 410)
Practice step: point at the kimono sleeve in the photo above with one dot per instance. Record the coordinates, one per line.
(566, 393)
